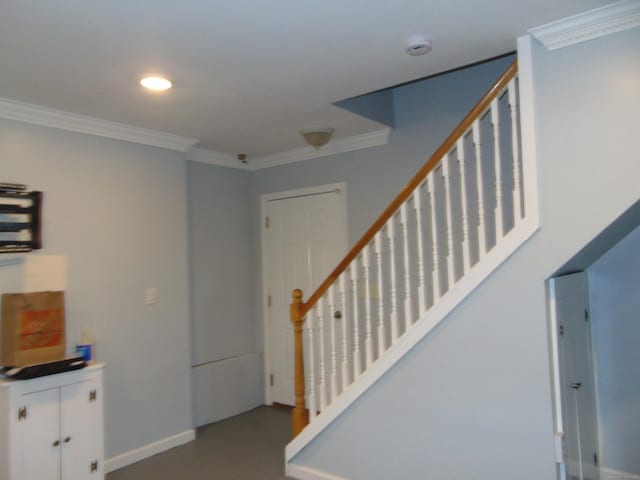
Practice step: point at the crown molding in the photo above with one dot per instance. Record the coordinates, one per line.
(73, 122)
(343, 145)
(349, 144)
(47, 117)
(589, 25)
(212, 157)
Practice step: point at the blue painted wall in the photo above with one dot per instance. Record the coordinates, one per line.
(117, 211)
(614, 285)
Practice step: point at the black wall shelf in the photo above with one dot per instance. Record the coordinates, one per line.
(20, 218)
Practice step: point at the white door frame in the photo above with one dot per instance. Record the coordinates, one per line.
(556, 389)
(264, 199)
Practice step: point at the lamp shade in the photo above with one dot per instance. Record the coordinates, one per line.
(317, 137)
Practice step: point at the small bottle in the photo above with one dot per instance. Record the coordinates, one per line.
(87, 346)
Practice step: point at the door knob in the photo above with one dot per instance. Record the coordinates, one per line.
(67, 439)
(337, 315)
(576, 385)
(56, 443)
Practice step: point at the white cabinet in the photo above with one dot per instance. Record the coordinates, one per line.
(51, 428)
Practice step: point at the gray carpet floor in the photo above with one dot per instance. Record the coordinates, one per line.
(246, 447)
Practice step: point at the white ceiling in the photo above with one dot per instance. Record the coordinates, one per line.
(247, 74)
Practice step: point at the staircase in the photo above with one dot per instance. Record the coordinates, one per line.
(467, 210)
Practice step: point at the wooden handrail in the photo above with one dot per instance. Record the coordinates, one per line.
(300, 414)
(419, 177)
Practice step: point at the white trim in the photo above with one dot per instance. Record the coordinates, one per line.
(556, 391)
(267, 197)
(589, 25)
(146, 451)
(48, 117)
(301, 472)
(507, 246)
(212, 157)
(611, 474)
(73, 122)
(530, 166)
(343, 145)
(335, 147)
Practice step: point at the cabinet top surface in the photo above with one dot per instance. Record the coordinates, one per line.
(56, 378)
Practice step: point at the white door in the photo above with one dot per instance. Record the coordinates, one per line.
(81, 443)
(38, 436)
(305, 238)
(576, 379)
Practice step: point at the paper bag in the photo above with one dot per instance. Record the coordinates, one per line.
(33, 328)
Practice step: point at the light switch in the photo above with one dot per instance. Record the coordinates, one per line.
(150, 296)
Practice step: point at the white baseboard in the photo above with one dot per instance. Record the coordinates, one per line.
(149, 450)
(307, 473)
(610, 474)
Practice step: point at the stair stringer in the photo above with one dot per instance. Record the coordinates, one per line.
(427, 322)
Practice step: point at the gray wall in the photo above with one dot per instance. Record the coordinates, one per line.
(473, 400)
(117, 211)
(614, 284)
(227, 368)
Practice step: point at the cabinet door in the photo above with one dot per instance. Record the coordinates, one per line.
(81, 414)
(37, 435)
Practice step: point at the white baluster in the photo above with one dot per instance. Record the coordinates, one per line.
(343, 310)
(435, 272)
(323, 371)
(393, 314)
(381, 335)
(477, 145)
(333, 350)
(357, 362)
(497, 156)
(311, 368)
(408, 304)
(451, 273)
(368, 339)
(515, 146)
(466, 246)
(422, 293)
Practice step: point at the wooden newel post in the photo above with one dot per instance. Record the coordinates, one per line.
(300, 413)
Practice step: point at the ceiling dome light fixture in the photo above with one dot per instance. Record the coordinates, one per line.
(417, 45)
(317, 137)
(156, 83)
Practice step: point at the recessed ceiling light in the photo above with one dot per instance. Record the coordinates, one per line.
(155, 83)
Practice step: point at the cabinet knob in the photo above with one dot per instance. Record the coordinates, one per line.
(67, 439)
(56, 443)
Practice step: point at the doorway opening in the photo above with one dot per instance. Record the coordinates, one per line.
(596, 365)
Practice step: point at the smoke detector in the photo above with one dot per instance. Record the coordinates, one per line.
(417, 45)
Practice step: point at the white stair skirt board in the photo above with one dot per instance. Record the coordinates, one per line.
(307, 473)
(610, 474)
(146, 451)
(507, 246)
